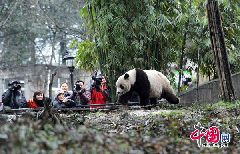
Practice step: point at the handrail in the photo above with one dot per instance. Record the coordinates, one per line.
(100, 107)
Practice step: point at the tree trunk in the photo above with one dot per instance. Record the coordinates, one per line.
(219, 49)
(198, 71)
(63, 48)
(181, 60)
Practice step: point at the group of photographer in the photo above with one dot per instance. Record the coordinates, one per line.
(79, 97)
(14, 98)
(66, 99)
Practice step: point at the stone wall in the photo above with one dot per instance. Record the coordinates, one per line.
(208, 92)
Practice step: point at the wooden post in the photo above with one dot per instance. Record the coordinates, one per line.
(219, 49)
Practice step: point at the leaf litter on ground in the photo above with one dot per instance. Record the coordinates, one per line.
(163, 129)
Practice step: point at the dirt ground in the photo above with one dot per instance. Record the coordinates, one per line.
(163, 129)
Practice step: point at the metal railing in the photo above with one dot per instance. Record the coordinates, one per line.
(78, 108)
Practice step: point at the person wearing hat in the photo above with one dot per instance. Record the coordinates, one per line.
(61, 102)
(14, 97)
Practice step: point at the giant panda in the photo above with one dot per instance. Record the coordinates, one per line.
(150, 85)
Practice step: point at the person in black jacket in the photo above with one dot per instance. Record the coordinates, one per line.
(14, 97)
(80, 96)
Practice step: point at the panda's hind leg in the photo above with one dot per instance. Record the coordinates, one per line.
(144, 101)
(153, 101)
(170, 96)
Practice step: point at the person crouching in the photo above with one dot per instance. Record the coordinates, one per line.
(61, 102)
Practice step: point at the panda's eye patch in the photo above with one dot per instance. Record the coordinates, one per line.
(121, 86)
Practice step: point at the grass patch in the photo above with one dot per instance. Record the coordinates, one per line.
(173, 113)
(226, 105)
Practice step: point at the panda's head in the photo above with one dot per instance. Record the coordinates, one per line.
(125, 82)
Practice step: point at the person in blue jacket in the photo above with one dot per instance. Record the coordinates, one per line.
(61, 102)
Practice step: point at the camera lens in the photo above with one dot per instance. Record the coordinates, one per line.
(18, 86)
(77, 87)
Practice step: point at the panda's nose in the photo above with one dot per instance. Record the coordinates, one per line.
(118, 93)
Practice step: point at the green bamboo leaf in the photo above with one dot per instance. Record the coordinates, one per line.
(84, 12)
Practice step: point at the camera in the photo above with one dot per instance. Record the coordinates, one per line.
(14, 85)
(77, 87)
(97, 82)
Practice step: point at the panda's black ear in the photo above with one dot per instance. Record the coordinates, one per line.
(126, 76)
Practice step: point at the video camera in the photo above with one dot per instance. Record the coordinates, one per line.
(14, 85)
(97, 81)
(77, 86)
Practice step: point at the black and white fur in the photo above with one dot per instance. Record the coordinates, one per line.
(149, 84)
